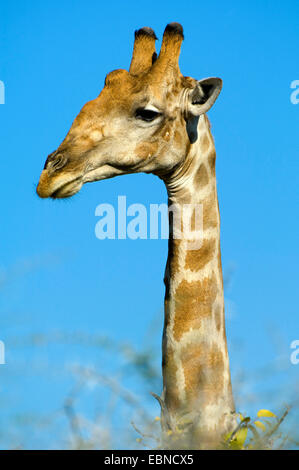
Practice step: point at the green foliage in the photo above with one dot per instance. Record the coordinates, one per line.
(250, 434)
(117, 405)
(254, 433)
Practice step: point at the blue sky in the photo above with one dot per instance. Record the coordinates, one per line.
(56, 274)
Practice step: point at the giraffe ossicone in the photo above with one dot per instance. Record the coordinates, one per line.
(152, 119)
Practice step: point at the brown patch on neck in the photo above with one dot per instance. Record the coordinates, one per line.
(173, 256)
(170, 368)
(192, 363)
(201, 178)
(203, 371)
(205, 143)
(193, 302)
(210, 211)
(212, 161)
(197, 259)
(218, 314)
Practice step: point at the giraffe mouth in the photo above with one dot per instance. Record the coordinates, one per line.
(65, 187)
(68, 189)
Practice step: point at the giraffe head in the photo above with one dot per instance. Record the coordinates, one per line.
(142, 121)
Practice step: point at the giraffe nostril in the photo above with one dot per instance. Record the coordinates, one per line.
(59, 163)
(55, 162)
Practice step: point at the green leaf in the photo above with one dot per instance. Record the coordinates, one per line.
(227, 436)
(240, 438)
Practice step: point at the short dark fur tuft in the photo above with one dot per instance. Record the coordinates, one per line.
(145, 31)
(174, 28)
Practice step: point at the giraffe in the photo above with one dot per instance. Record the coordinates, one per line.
(153, 119)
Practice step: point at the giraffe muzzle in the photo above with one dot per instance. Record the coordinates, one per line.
(54, 181)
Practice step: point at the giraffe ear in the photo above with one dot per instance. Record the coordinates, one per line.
(204, 95)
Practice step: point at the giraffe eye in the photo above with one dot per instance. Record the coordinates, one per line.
(146, 114)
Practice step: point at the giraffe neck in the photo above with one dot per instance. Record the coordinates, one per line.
(196, 375)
